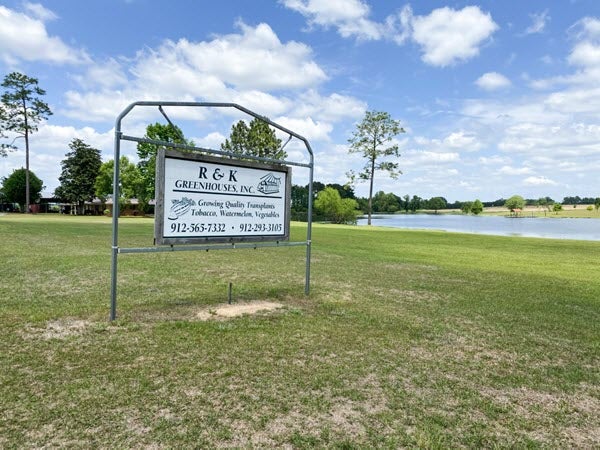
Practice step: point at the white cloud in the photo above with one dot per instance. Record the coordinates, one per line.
(211, 140)
(24, 38)
(577, 140)
(508, 170)
(40, 12)
(98, 106)
(448, 36)
(254, 58)
(571, 101)
(586, 28)
(399, 26)
(459, 140)
(267, 104)
(258, 66)
(538, 24)
(332, 108)
(434, 157)
(547, 59)
(349, 17)
(307, 127)
(420, 158)
(334, 162)
(57, 138)
(498, 113)
(493, 160)
(585, 56)
(462, 141)
(108, 74)
(539, 181)
(492, 81)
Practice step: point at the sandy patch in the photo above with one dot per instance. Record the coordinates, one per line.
(57, 329)
(237, 310)
(64, 328)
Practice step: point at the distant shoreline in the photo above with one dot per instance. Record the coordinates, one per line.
(568, 212)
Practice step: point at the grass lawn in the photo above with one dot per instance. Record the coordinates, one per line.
(568, 212)
(408, 339)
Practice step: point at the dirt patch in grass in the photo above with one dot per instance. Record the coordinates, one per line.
(407, 295)
(236, 310)
(57, 329)
(524, 399)
(581, 410)
(402, 267)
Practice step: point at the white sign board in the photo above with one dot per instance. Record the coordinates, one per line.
(206, 199)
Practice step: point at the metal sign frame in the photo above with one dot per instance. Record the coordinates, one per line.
(234, 164)
(119, 136)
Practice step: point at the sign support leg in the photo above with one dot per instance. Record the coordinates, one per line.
(113, 284)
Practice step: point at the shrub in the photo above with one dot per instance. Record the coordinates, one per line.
(335, 208)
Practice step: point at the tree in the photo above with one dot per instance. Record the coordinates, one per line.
(415, 203)
(436, 203)
(147, 156)
(335, 208)
(514, 203)
(346, 191)
(299, 202)
(13, 187)
(373, 139)
(557, 207)
(406, 202)
(466, 207)
(21, 110)
(597, 203)
(477, 207)
(79, 171)
(545, 203)
(257, 139)
(572, 200)
(383, 202)
(131, 180)
(317, 187)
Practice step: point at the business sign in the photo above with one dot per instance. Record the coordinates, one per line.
(202, 199)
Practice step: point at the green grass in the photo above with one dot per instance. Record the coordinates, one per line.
(568, 212)
(408, 339)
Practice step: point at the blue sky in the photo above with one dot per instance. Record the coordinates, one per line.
(497, 97)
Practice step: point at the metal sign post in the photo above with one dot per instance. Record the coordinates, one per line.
(262, 184)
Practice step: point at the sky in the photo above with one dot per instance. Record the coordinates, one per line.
(497, 98)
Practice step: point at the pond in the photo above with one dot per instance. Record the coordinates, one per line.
(581, 229)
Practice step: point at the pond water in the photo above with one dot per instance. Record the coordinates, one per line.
(581, 229)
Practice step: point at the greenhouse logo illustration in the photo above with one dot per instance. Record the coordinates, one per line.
(269, 184)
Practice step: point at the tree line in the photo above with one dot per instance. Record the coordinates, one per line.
(381, 202)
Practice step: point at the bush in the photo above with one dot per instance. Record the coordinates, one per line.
(477, 207)
(335, 208)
